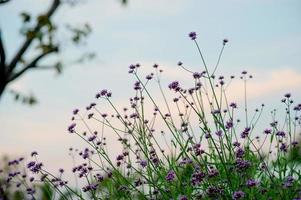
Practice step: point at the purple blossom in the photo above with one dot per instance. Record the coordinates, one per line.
(149, 77)
(245, 133)
(174, 86)
(90, 115)
(137, 85)
(242, 165)
(143, 163)
(90, 187)
(287, 95)
(196, 75)
(103, 92)
(213, 173)
(238, 195)
(280, 133)
(197, 177)
(240, 153)
(34, 166)
(91, 138)
(170, 176)
(183, 197)
(34, 153)
(192, 35)
(219, 133)
(233, 105)
(31, 164)
(267, 131)
(71, 128)
(75, 111)
(252, 183)
(120, 157)
(283, 147)
(288, 182)
(229, 124)
(236, 144)
(132, 67)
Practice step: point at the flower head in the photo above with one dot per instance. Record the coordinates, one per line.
(170, 176)
(238, 195)
(192, 35)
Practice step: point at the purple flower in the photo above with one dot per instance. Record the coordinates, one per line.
(288, 182)
(294, 143)
(137, 85)
(197, 177)
(149, 77)
(240, 153)
(287, 95)
(31, 164)
(91, 138)
(71, 128)
(283, 147)
(90, 187)
(75, 111)
(242, 164)
(109, 94)
(229, 124)
(192, 35)
(120, 157)
(280, 133)
(233, 105)
(213, 173)
(103, 92)
(143, 163)
(155, 66)
(170, 176)
(174, 86)
(196, 75)
(34, 153)
(267, 131)
(219, 133)
(34, 167)
(245, 133)
(182, 197)
(252, 182)
(236, 144)
(90, 115)
(132, 67)
(238, 195)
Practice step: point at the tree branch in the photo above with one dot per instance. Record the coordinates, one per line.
(32, 64)
(4, 1)
(2, 53)
(55, 4)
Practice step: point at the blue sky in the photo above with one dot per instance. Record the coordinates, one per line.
(264, 35)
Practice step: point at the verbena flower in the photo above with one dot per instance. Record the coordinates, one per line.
(238, 195)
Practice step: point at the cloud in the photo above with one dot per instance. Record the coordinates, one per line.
(268, 83)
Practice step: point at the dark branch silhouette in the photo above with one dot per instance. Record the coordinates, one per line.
(32, 64)
(29, 40)
(43, 30)
(8, 71)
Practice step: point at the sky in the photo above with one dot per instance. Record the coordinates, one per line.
(264, 39)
